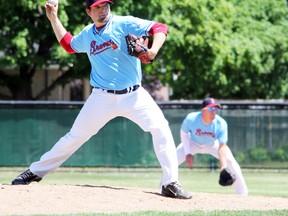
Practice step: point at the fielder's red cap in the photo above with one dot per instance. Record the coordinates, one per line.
(210, 102)
(93, 3)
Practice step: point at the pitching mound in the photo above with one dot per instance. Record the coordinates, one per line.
(73, 199)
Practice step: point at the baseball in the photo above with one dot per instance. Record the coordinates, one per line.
(53, 2)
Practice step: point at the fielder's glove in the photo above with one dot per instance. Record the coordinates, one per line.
(138, 47)
(226, 177)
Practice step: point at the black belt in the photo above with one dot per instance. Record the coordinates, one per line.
(123, 91)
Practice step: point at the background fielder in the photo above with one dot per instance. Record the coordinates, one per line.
(116, 78)
(206, 132)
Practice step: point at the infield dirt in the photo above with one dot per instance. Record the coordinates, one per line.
(76, 199)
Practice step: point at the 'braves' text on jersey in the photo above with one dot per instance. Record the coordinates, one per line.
(201, 133)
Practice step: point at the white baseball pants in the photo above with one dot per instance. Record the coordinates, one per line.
(99, 109)
(239, 184)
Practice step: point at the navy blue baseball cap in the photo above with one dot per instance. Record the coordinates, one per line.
(93, 3)
(210, 102)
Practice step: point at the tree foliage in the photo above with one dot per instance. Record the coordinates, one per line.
(28, 44)
(223, 48)
(227, 49)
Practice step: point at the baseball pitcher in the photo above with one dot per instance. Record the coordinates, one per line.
(116, 48)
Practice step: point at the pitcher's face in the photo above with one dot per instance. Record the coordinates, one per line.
(100, 13)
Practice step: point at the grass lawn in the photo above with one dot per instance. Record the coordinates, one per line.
(259, 182)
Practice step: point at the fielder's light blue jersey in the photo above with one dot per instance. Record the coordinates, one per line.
(112, 67)
(205, 134)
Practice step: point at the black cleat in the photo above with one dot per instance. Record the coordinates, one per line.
(175, 190)
(26, 178)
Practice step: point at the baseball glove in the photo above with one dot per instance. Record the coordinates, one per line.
(138, 47)
(226, 177)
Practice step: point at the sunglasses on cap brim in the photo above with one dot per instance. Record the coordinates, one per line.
(211, 109)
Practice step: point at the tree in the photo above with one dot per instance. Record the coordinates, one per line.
(223, 48)
(29, 44)
(227, 49)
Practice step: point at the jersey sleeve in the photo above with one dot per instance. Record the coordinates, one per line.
(80, 43)
(185, 125)
(158, 27)
(137, 26)
(223, 133)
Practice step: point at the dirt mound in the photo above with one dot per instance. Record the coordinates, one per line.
(72, 199)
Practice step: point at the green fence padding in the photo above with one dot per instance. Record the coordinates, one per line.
(26, 134)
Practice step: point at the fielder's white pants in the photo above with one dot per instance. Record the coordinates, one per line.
(100, 108)
(239, 184)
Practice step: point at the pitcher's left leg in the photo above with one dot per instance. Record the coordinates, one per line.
(142, 109)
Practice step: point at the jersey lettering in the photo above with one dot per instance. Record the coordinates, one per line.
(96, 49)
(204, 133)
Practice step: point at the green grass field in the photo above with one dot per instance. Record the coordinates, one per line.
(260, 183)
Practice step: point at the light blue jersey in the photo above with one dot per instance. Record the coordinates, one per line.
(205, 134)
(112, 67)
